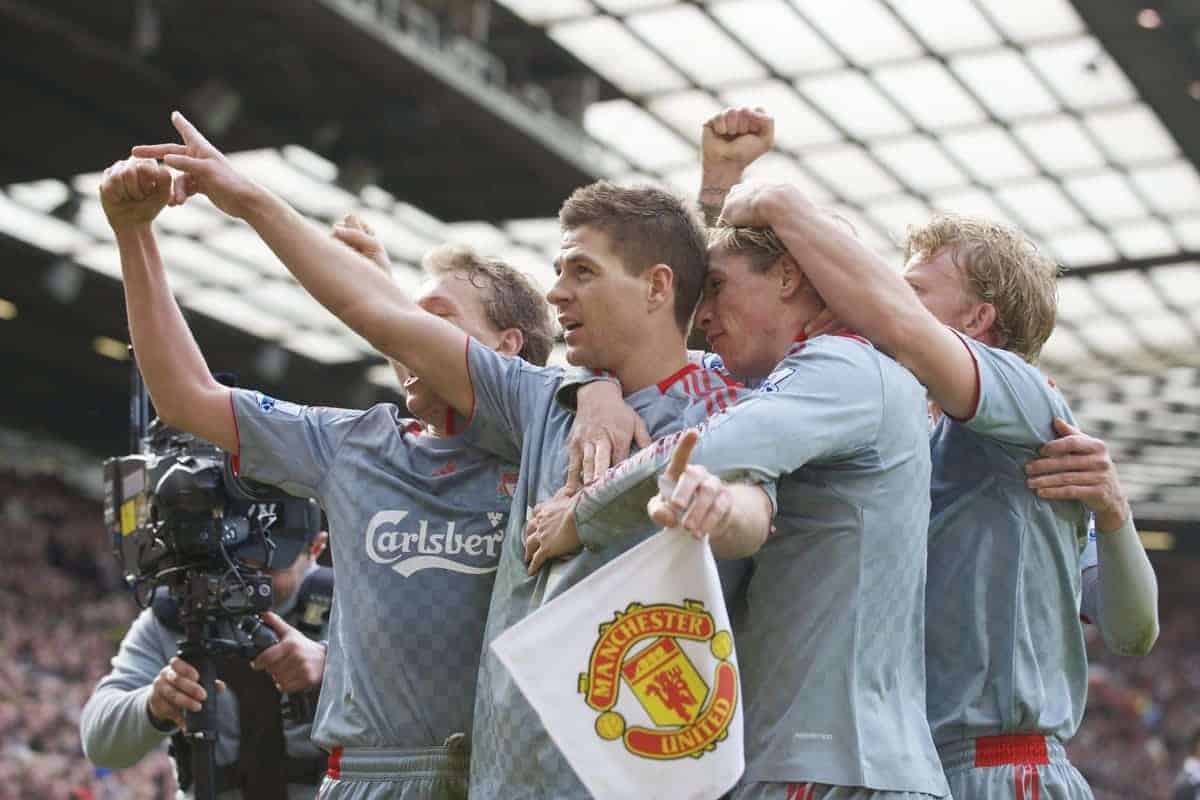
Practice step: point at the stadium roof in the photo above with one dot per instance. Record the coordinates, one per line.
(1079, 123)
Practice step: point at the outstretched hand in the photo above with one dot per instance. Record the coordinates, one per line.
(205, 170)
(690, 497)
(358, 236)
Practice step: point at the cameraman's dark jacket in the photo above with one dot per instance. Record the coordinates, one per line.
(115, 726)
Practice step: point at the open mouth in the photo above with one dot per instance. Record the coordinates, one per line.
(410, 380)
(570, 328)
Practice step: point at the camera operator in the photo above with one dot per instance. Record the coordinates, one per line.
(142, 701)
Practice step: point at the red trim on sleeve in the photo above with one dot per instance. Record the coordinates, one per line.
(846, 333)
(334, 764)
(236, 461)
(470, 380)
(668, 382)
(975, 401)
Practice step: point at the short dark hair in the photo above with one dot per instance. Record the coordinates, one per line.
(510, 298)
(647, 226)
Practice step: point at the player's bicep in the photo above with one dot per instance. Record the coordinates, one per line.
(943, 362)
(432, 348)
(209, 415)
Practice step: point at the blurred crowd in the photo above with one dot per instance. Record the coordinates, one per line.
(63, 612)
(1142, 712)
(62, 615)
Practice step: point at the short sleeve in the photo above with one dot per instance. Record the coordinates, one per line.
(288, 445)
(1016, 403)
(510, 394)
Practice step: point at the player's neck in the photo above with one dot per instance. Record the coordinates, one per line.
(651, 364)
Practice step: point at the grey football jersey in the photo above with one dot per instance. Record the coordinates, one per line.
(1004, 643)
(517, 417)
(830, 641)
(416, 523)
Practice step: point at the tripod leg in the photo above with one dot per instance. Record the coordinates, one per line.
(202, 731)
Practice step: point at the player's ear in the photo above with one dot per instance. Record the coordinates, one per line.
(660, 286)
(318, 545)
(511, 342)
(791, 279)
(981, 320)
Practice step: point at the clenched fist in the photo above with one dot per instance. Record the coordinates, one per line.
(133, 191)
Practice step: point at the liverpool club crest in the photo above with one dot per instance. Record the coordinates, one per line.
(646, 649)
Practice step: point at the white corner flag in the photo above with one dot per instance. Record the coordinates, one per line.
(642, 694)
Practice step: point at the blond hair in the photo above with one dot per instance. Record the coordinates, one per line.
(510, 299)
(760, 245)
(1000, 266)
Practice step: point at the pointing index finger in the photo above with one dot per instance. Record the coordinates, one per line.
(188, 131)
(681, 455)
(158, 150)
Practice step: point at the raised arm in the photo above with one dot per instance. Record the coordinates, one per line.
(357, 235)
(730, 142)
(184, 392)
(862, 290)
(342, 280)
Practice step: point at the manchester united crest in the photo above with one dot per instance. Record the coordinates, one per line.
(646, 649)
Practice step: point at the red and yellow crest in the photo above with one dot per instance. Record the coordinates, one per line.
(689, 716)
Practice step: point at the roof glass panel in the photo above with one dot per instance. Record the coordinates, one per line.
(853, 101)
(636, 134)
(1022, 94)
(1144, 239)
(990, 154)
(1171, 188)
(1131, 134)
(851, 172)
(971, 202)
(1106, 196)
(692, 41)
(1081, 247)
(1028, 22)
(1041, 206)
(686, 112)
(540, 12)
(1127, 290)
(930, 94)
(776, 34)
(957, 25)
(1179, 283)
(607, 46)
(919, 162)
(862, 29)
(1081, 73)
(1060, 144)
(785, 169)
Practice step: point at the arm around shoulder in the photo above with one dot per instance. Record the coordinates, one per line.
(865, 292)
